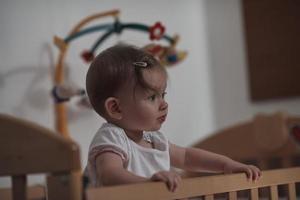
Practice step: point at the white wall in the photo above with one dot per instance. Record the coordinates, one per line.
(206, 92)
(228, 67)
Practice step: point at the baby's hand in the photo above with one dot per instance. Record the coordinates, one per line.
(170, 178)
(252, 172)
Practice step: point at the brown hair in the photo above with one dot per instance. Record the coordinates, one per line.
(113, 68)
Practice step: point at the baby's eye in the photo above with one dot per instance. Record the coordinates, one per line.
(152, 97)
(163, 95)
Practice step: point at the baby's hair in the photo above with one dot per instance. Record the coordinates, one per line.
(114, 67)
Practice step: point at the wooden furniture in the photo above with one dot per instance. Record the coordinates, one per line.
(272, 30)
(26, 148)
(205, 187)
(268, 140)
(35, 192)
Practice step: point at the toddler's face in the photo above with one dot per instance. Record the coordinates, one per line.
(146, 110)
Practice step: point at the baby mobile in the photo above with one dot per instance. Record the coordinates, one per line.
(62, 93)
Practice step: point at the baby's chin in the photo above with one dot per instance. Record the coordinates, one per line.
(156, 128)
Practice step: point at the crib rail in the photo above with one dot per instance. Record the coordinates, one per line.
(206, 187)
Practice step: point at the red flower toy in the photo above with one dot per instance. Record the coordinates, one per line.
(87, 56)
(156, 31)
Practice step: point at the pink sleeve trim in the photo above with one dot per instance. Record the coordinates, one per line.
(96, 151)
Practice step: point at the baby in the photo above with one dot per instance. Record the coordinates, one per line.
(127, 87)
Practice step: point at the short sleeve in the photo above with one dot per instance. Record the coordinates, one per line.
(109, 139)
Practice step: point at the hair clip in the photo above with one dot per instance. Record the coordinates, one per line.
(140, 64)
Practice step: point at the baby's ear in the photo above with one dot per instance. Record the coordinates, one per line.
(112, 107)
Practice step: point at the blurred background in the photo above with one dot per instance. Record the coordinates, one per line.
(206, 92)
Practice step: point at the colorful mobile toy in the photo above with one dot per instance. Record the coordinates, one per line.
(167, 55)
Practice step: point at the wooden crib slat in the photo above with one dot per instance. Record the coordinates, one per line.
(285, 163)
(254, 194)
(19, 187)
(274, 192)
(232, 195)
(291, 191)
(263, 163)
(209, 197)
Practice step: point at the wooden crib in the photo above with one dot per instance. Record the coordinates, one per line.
(27, 148)
(268, 140)
(207, 188)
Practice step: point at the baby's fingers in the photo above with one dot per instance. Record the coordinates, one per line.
(170, 178)
(170, 185)
(249, 174)
(256, 173)
(253, 173)
(177, 179)
(173, 182)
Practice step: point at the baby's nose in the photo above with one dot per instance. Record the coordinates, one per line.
(164, 105)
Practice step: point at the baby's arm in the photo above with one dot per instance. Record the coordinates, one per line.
(195, 159)
(111, 172)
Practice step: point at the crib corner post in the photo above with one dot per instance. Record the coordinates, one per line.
(67, 186)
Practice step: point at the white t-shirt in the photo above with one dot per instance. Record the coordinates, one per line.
(136, 159)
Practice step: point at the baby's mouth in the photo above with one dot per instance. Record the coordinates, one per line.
(162, 118)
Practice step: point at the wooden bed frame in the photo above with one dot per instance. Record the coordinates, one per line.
(204, 187)
(267, 141)
(26, 148)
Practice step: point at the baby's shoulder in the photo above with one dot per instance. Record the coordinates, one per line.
(110, 133)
